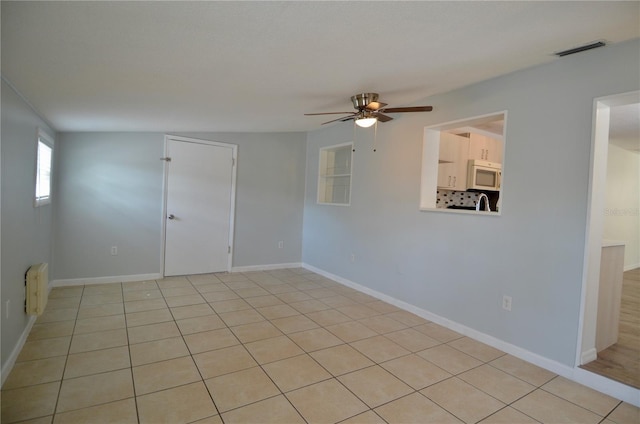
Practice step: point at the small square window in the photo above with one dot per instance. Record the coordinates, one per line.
(334, 180)
(44, 160)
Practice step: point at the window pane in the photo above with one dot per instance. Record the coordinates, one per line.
(43, 172)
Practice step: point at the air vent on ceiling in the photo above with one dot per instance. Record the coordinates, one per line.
(581, 48)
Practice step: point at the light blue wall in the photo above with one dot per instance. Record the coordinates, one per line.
(269, 196)
(26, 230)
(460, 266)
(110, 190)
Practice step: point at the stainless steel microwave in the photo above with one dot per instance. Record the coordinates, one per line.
(483, 175)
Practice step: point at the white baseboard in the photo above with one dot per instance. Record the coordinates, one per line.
(589, 379)
(588, 356)
(630, 267)
(144, 277)
(602, 384)
(11, 360)
(104, 280)
(270, 267)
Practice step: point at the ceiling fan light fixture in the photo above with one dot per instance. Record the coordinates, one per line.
(369, 111)
(365, 122)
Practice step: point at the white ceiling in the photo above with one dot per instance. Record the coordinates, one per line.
(258, 66)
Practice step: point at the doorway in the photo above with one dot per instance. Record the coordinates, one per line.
(621, 360)
(597, 208)
(200, 179)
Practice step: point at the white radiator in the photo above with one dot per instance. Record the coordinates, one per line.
(37, 282)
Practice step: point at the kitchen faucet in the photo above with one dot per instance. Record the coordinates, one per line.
(487, 208)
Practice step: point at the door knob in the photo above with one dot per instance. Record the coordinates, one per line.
(172, 216)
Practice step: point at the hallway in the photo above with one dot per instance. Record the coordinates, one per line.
(621, 362)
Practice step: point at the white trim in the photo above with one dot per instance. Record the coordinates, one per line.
(471, 129)
(232, 211)
(594, 381)
(320, 177)
(270, 267)
(431, 153)
(47, 139)
(595, 220)
(27, 102)
(588, 356)
(630, 267)
(163, 219)
(11, 360)
(104, 280)
(473, 120)
(607, 386)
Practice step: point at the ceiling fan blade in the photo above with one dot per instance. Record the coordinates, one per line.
(344, 118)
(327, 113)
(383, 118)
(374, 105)
(407, 109)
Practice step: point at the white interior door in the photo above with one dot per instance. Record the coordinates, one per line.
(199, 206)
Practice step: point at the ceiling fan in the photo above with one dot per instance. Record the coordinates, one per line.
(369, 110)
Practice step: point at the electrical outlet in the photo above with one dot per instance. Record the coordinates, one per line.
(6, 308)
(353, 257)
(114, 250)
(280, 244)
(506, 303)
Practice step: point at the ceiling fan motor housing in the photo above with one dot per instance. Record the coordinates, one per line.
(360, 101)
(368, 106)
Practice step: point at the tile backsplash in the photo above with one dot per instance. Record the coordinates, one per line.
(445, 198)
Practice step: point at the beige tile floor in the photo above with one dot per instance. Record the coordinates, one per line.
(283, 346)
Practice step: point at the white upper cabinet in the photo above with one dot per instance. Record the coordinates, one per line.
(485, 148)
(452, 162)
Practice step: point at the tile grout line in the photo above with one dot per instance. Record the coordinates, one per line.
(215, 405)
(375, 363)
(66, 359)
(332, 377)
(611, 412)
(569, 400)
(282, 393)
(307, 354)
(195, 364)
(296, 288)
(452, 376)
(126, 329)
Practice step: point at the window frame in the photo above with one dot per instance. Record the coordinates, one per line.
(431, 161)
(48, 141)
(323, 178)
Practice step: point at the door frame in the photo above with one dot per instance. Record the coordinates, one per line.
(586, 340)
(232, 211)
(586, 346)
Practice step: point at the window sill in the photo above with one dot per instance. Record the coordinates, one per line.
(460, 211)
(41, 202)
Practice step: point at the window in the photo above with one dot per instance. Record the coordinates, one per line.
(44, 158)
(462, 164)
(334, 180)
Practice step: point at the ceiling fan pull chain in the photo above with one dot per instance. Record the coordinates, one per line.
(375, 137)
(353, 149)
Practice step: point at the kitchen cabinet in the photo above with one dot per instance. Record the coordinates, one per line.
(609, 294)
(485, 148)
(452, 162)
